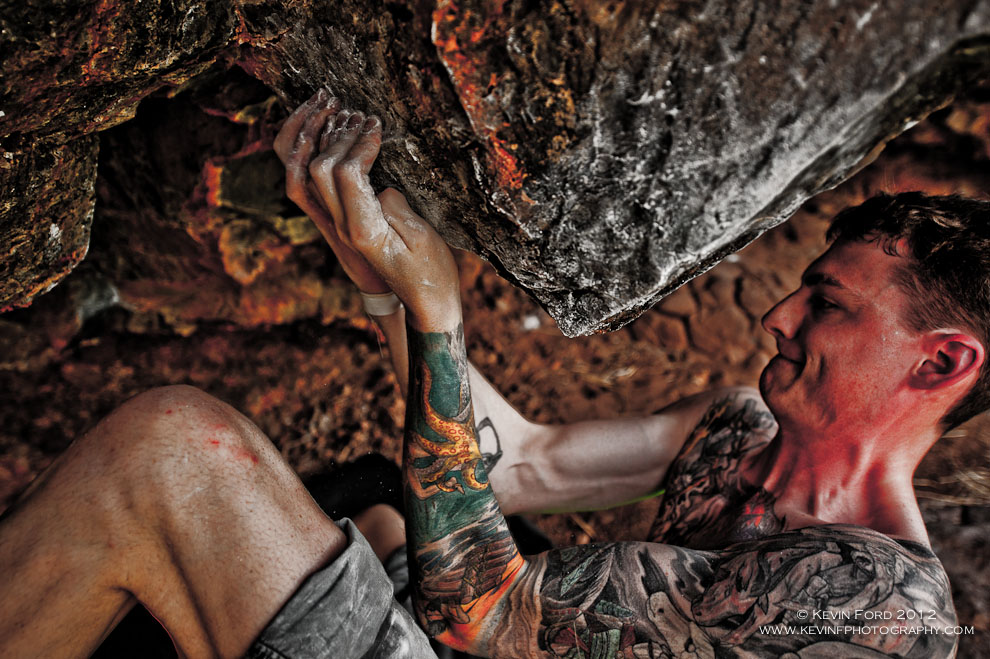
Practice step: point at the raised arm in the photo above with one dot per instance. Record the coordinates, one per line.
(307, 134)
(533, 467)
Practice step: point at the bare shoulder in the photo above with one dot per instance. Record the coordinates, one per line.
(827, 591)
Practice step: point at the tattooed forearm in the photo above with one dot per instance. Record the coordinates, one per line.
(459, 542)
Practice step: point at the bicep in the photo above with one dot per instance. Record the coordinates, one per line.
(818, 588)
(595, 464)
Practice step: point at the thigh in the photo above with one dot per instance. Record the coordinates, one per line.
(57, 598)
(175, 500)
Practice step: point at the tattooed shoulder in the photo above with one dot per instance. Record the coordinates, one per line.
(704, 480)
(817, 592)
(834, 584)
(732, 426)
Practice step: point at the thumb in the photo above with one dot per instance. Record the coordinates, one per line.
(393, 202)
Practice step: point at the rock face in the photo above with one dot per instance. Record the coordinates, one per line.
(45, 214)
(600, 154)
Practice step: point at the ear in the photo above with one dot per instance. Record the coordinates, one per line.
(950, 358)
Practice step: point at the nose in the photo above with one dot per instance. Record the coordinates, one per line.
(784, 319)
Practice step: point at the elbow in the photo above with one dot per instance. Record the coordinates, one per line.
(468, 625)
(518, 476)
(445, 626)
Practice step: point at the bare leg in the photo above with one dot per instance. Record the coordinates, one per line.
(383, 527)
(175, 500)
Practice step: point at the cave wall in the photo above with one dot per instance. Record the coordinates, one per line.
(599, 154)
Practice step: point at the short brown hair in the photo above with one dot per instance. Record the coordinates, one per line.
(947, 273)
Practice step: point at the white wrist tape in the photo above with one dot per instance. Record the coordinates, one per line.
(380, 304)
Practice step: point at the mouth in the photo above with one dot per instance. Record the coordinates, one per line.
(790, 354)
(781, 372)
(792, 357)
(784, 358)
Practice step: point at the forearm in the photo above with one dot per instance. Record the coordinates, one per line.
(500, 428)
(393, 327)
(461, 549)
(458, 539)
(581, 466)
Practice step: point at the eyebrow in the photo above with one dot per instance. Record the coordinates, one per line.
(820, 278)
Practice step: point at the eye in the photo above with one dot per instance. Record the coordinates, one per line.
(821, 303)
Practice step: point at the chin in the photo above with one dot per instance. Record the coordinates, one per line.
(793, 413)
(773, 396)
(766, 382)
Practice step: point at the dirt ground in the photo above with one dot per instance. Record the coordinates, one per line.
(325, 393)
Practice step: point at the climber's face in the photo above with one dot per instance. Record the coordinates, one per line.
(844, 350)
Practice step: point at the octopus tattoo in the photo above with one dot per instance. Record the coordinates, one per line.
(458, 452)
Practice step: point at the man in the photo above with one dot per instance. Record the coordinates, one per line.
(791, 534)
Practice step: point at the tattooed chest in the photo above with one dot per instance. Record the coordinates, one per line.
(715, 521)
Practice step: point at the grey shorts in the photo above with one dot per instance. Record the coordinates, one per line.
(347, 610)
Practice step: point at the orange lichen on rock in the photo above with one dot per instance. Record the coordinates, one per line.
(454, 34)
(212, 175)
(248, 249)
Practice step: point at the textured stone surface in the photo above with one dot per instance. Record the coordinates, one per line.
(598, 154)
(621, 149)
(70, 69)
(46, 211)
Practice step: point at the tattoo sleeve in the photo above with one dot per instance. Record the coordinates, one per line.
(460, 546)
(815, 592)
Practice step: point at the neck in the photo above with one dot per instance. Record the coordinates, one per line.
(864, 480)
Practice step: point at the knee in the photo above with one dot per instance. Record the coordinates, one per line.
(175, 431)
(161, 404)
(161, 415)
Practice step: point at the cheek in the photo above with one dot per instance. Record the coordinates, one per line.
(838, 377)
(860, 381)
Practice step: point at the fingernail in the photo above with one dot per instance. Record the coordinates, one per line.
(355, 120)
(341, 119)
(321, 95)
(370, 124)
